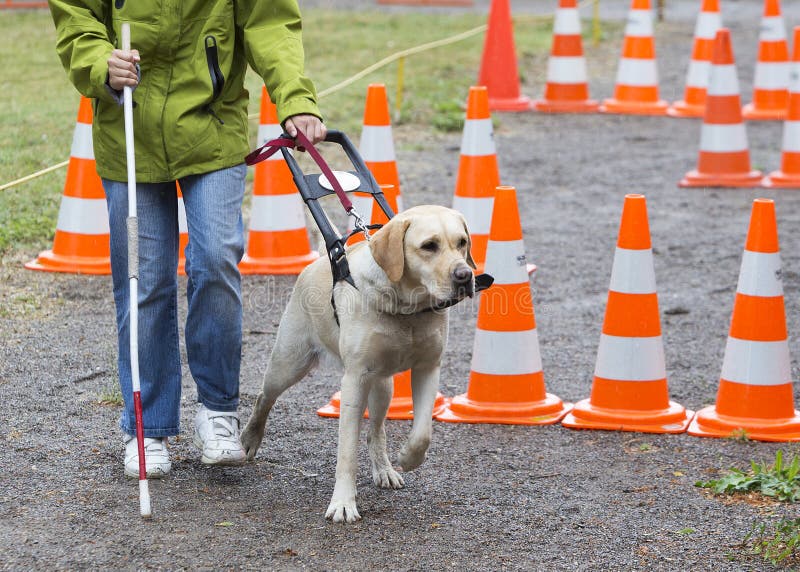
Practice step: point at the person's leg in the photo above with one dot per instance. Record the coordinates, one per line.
(214, 322)
(159, 354)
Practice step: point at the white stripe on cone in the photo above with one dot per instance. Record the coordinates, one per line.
(772, 29)
(630, 359)
(476, 211)
(183, 228)
(724, 80)
(83, 216)
(363, 206)
(632, 272)
(477, 139)
(707, 25)
(506, 353)
(637, 72)
(566, 70)
(771, 75)
(760, 274)
(716, 138)
(756, 363)
(640, 24)
(82, 147)
(505, 261)
(791, 136)
(277, 212)
(567, 22)
(376, 143)
(268, 132)
(699, 72)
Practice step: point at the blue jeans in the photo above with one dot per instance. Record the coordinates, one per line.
(213, 332)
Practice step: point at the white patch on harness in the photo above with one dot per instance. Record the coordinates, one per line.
(348, 181)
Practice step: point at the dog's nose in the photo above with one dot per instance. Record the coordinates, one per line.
(462, 275)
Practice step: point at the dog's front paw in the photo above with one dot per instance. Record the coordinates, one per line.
(412, 457)
(251, 440)
(387, 478)
(343, 510)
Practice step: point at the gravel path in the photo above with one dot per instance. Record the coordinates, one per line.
(488, 497)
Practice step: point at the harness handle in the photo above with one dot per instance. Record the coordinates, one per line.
(269, 148)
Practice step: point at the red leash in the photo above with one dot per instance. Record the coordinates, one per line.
(269, 148)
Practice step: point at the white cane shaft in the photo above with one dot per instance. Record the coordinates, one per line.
(127, 103)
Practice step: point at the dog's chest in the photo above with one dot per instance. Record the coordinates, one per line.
(392, 345)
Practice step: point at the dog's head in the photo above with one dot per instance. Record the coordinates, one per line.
(425, 251)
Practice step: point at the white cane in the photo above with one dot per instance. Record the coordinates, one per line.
(133, 294)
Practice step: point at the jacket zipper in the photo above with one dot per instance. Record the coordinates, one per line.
(217, 79)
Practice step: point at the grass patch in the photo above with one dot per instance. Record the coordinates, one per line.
(779, 480)
(111, 395)
(38, 106)
(778, 542)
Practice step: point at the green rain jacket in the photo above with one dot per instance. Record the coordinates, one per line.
(190, 107)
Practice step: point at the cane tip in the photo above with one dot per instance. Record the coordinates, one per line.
(144, 500)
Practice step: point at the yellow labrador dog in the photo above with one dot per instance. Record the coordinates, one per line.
(418, 260)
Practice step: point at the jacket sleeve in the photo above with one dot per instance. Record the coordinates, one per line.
(83, 45)
(274, 46)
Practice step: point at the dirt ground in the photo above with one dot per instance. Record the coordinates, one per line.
(488, 497)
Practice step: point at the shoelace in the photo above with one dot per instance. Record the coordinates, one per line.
(223, 428)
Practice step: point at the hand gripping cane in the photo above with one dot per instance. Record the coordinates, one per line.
(133, 294)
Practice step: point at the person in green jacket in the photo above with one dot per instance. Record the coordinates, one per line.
(190, 126)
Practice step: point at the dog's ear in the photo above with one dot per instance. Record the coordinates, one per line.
(470, 261)
(387, 248)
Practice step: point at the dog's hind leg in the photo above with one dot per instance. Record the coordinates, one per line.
(292, 358)
(380, 396)
(424, 385)
(342, 507)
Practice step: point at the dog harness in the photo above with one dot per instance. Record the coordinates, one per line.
(311, 190)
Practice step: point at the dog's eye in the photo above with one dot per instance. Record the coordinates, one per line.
(430, 246)
(462, 243)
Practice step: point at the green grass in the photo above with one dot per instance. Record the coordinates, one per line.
(779, 480)
(111, 395)
(38, 106)
(776, 541)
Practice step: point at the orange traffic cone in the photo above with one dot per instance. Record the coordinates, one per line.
(636, 91)
(377, 149)
(629, 392)
(567, 88)
(499, 62)
(183, 230)
(506, 382)
(401, 406)
(278, 241)
(478, 174)
(724, 159)
(755, 389)
(81, 244)
(789, 174)
(770, 94)
(708, 23)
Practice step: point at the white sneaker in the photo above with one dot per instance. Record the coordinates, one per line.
(156, 457)
(216, 433)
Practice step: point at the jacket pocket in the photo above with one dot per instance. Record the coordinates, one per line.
(217, 79)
